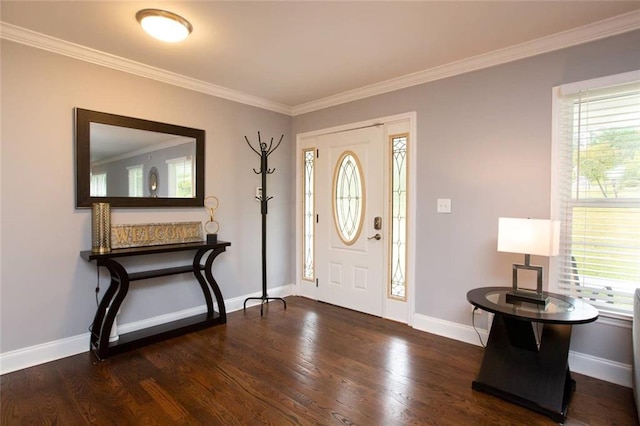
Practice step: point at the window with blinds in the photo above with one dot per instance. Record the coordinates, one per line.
(98, 185)
(135, 181)
(180, 177)
(596, 183)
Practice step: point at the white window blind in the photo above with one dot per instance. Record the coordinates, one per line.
(98, 185)
(135, 181)
(597, 189)
(180, 177)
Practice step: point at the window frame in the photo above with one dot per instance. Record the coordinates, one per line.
(338, 203)
(172, 175)
(139, 178)
(405, 236)
(98, 184)
(559, 95)
(310, 242)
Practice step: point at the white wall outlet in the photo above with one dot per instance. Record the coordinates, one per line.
(476, 311)
(444, 205)
(258, 193)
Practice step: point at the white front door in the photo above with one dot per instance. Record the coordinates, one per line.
(337, 262)
(350, 260)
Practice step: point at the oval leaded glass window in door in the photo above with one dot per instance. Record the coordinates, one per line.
(348, 197)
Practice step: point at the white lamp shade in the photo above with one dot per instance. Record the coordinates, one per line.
(539, 237)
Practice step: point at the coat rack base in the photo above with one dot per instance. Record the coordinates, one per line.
(263, 299)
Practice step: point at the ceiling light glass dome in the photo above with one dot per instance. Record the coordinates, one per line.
(163, 25)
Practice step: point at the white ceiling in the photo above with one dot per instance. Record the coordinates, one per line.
(296, 53)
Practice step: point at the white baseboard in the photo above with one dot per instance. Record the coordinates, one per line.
(599, 368)
(237, 303)
(588, 365)
(451, 330)
(57, 349)
(45, 352)
(232, 305)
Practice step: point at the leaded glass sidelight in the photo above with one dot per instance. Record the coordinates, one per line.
(348, 197)
(308, 214)
(398, 249)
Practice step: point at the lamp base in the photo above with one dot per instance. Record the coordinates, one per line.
(528, 297)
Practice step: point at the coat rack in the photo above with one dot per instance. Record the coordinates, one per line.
(264, 151)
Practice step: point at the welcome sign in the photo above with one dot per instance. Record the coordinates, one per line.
(154, 234)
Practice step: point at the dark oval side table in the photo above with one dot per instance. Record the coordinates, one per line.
(520, 367)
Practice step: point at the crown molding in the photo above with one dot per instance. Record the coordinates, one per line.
(598, 30)
(42, 41)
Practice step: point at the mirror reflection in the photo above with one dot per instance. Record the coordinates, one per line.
(138, 163)
(131, 162)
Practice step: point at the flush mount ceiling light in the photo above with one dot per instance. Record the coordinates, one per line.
(163, 25)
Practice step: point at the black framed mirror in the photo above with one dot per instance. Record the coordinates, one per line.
(131, 162)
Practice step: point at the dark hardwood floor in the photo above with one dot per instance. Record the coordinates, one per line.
(311, 364)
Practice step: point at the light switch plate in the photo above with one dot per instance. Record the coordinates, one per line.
(444, 205)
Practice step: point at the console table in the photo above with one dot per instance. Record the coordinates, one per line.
(119, 286)
(516, 365)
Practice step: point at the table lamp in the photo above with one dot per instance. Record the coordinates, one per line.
(540, 237)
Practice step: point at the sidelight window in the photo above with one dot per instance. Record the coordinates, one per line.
(308, 213)
(398, 249)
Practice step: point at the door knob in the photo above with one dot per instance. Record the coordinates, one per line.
(375, 237)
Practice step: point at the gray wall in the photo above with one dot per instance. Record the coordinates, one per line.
(47, 290)
(118, 175)
(484, 140)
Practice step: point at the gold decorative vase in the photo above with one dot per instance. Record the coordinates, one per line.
(100, 228)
